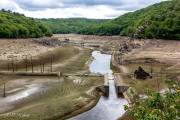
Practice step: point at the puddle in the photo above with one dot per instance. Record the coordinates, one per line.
(8, 102)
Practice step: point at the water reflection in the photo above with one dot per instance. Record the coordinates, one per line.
(101, 63)
(8, 102)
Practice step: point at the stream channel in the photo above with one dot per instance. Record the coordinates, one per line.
(107, 108)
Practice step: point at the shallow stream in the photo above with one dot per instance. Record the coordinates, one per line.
(110, 108)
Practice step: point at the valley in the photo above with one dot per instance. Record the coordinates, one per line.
(89, 60)
(43, 94)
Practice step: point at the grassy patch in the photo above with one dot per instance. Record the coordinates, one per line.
(78, 64)
(156, 83)
(58, 55)
(64, 97)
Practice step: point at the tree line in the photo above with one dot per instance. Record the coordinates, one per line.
(160, 21)
(15, 25)
(70, 25)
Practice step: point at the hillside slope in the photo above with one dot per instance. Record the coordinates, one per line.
(161, 21)
(69, 25)
(15, 25)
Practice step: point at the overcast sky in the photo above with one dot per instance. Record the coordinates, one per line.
(104, 9)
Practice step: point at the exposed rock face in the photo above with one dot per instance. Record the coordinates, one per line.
(128, 47)
(48, 42)
(141, 74)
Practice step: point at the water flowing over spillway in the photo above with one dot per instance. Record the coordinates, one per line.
(110, 108)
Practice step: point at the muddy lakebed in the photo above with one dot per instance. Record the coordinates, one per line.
(21, 90)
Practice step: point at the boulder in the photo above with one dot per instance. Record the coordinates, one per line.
(140, 73)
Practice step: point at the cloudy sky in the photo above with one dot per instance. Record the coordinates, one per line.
(105, 9)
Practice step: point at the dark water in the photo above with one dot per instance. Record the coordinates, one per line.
(110, 108)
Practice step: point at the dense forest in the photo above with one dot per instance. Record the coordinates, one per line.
(70, 25)
(15, 25)
(161, 21)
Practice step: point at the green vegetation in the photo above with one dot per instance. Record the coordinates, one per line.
(161, 21)
(157, 106)
(15, 25)
(147, 103)
(70, 25)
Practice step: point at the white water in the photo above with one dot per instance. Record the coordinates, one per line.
(101, 63)
(110, 108)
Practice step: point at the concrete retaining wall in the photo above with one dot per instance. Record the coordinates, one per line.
(31, 74)
(59, 74)
(106, 85)
(120, 86)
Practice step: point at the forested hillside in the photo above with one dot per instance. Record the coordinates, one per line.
(69, 25)
(161, 21)
(15, 25)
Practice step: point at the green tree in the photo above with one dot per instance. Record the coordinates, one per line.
(157, 106)
(15, 25)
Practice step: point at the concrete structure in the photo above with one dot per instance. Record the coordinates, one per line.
(59, 74)
(106, 85)
(121, 87)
